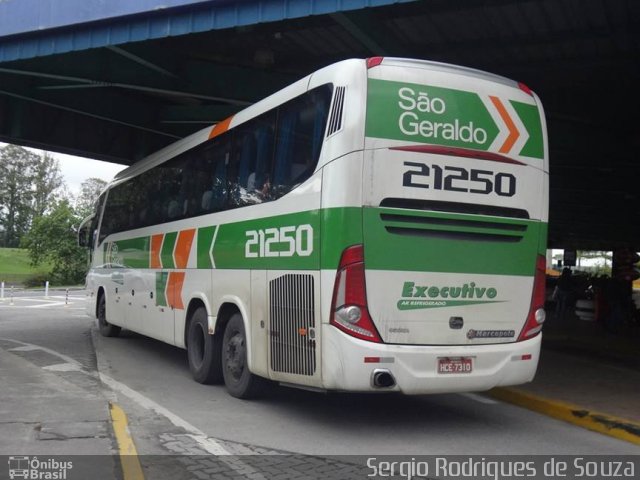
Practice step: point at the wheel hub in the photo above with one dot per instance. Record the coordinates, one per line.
(234, 355)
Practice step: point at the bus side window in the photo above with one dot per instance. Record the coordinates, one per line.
(116, 212)
(242, 165)
(251, 160)
(217, 153)
(300, 132)
(287, 123)
(246, 158)
(264, 157)
(173, 204)
(256, 162)
(319, 102)
(94, 223)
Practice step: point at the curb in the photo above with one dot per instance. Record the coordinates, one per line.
(617, 427)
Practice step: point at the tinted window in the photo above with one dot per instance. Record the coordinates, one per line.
(299, 134)
(260, 160)
(252, 160)
(93, 229)
(212, 164)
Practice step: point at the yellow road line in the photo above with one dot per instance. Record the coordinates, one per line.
(620, 428)
(131, 469)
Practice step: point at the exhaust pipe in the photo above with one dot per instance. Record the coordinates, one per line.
(382, 378)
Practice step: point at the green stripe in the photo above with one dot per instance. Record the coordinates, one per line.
(205, 237)
(334, 229)
(130, 253)
(530, 117)
(230, 247)
(161, 285)
(166, 254)
(393, 251)
(542, 239)
(341, 228)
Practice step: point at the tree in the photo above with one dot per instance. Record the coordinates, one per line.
(15, 193)
(53, 238)
(90, 190)
(46, 181)
(598, 268)
(28, 184)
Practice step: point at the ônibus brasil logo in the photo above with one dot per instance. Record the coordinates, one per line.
(38, 469)
(431, 296)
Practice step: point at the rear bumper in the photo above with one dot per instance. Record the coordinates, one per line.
(415, 367)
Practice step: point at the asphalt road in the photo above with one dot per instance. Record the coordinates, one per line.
(170, 413)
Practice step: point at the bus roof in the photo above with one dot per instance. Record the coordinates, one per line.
(181, 146)
(447, 67)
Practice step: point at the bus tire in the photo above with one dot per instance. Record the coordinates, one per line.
(106, 329)
(203, 350)
(240, 382)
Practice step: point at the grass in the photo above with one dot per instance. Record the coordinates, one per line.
(15, 266)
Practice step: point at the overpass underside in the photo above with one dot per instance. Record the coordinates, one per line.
(119, 85)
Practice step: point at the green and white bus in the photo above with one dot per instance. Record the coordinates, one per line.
(379, 225)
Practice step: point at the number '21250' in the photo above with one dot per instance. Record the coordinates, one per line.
(458, 179)
(280, 242)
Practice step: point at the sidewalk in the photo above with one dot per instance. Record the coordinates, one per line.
(42, 413)
(583, 366)
(45, 412)
(591, 384)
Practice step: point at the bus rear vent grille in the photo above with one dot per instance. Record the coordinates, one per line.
(454, 207)
(292, 324)
(453, 228)
(335, 121)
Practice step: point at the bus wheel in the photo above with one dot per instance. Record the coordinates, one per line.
(240, 382)
(203, 350)
(106, 329)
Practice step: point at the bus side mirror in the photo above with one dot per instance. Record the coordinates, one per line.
(85, 236)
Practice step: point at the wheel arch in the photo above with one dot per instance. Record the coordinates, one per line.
(196, 301)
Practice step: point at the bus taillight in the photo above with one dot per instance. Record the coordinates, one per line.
(349, 310)
(537, 315)
(525, 88)
(374, 61)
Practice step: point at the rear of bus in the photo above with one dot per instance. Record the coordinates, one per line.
(446, 291)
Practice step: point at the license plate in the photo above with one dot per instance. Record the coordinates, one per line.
(455, 365)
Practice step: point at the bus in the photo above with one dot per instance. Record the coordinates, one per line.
(379, 225)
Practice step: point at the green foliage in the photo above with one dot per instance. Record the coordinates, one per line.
(28, 184)
(52, 239)
(35, 280)
(35, 213)
(602, 270)
(15, 193)
(597, 254)
(89, 192)
(604, 261)
(46, 180)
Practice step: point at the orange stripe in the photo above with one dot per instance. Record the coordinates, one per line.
(220, 127)
(156, 245)
(513, 131)
(174, 290)
(183, 247)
